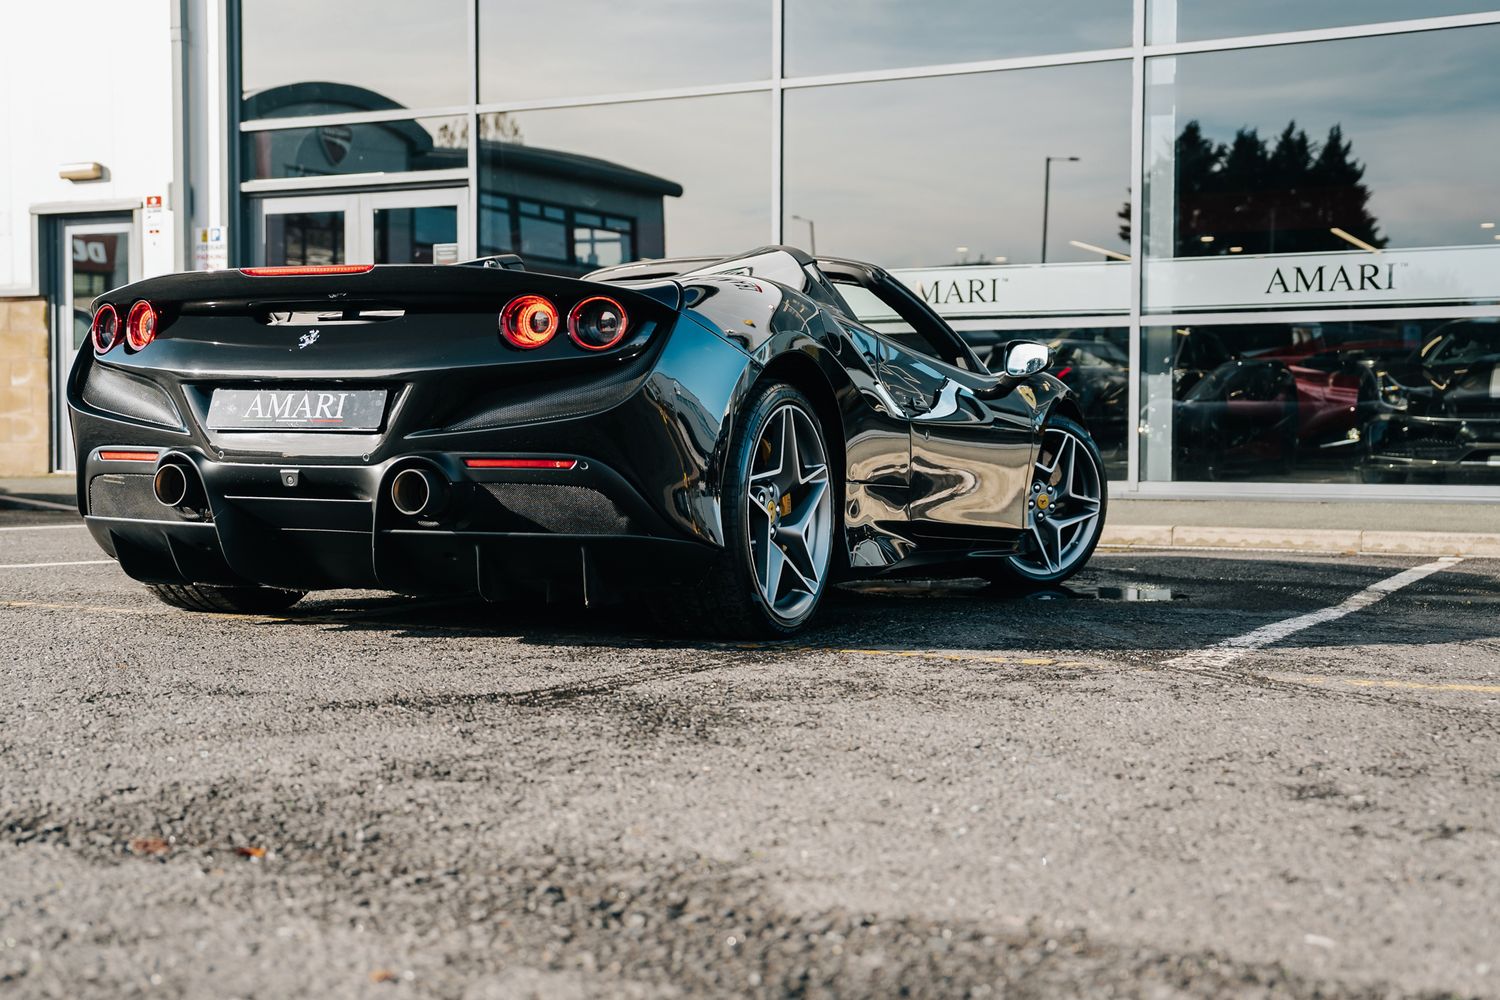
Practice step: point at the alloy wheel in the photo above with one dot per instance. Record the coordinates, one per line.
(1064, 504)
(789, 513)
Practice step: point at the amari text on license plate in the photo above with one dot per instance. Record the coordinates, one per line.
(296, 409)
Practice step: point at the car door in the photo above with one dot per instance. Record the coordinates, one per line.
(970, 458)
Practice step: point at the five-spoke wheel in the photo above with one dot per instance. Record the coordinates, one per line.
(780, 516)
(1065, 505)
(789, 513)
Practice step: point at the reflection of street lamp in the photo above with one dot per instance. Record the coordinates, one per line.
(1047, 195)
(812, 235)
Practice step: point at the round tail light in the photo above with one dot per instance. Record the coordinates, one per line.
(140, 326)
(105, 329)
(598, 323)
(528, 321)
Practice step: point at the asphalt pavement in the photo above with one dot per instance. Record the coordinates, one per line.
(1186, 774)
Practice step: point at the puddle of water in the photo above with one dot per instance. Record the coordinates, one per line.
(1138, 594)
(1102, 594)
(974, 588)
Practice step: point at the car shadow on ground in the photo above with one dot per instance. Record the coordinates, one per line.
(1156, 604)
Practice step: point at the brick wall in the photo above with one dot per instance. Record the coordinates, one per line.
(25, 397)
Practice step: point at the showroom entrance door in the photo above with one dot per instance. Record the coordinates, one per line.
(93, 255)
(384, 227)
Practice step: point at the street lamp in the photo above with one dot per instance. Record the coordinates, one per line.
(1047, 195)
(812, 235)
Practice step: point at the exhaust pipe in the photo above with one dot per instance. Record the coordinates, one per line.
(171, 485)
(416, 491)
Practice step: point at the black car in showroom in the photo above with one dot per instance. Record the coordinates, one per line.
(1439, 409)
(717, 438)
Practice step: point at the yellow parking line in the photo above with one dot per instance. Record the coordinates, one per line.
(935, 654)
(1382, 682)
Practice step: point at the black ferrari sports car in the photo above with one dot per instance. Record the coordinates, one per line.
(718, 438)
(1439, 410)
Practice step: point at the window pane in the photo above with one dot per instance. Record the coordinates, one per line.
(302, 58)
(621, 181)
(1375, 402)
(565, 48)
(1379, 158)
(374, 147)
(408, 235)
(900, 173)
(1193, 20)
(304, 238)
(101, 261)
(823, 37)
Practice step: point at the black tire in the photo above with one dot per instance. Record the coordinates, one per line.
(728, 601)
(226, 600)
(1014, 573)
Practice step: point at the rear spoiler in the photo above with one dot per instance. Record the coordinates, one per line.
(482, 287)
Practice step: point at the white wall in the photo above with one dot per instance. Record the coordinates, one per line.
(80, 80)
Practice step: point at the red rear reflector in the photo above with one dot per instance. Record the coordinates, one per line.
(294, 269)
(128, 456)
(521, 463)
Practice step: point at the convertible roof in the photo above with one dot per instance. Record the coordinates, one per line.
(671, 267)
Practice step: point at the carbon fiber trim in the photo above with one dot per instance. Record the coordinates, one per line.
(556, 399)
(116, 392)
(131, 496)
(569, 510)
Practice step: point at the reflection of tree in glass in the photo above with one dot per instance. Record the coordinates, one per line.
(1265, 198)
(500, 127)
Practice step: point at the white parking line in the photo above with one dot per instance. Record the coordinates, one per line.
(43, 527)
(75, 562)
(1223, 653)
(39, 504)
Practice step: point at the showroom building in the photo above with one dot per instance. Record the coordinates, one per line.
(1261, 238)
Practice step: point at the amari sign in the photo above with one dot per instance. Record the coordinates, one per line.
(1198, 284)
(1353, 278)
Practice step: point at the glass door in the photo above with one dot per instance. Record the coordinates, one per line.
(386, 227)
(305, 230)
(416, 227)
(93, 256)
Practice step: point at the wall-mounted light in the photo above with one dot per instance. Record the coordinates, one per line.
(1112, 254)
(1486, 225)
(1236, 249)
(1205, 239)
(81, 171)
(1352, 239)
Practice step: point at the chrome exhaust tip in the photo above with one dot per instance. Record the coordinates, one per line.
(170, 485)
(416, 491)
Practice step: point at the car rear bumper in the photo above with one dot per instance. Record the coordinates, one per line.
(311, 527)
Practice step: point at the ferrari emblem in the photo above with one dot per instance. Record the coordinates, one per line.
(1025, 393)
(1042, 501)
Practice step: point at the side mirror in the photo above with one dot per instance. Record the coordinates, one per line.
(1024, 358)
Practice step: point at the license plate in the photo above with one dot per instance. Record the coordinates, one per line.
(296, 409)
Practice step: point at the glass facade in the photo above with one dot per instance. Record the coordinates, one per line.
(1260, 239)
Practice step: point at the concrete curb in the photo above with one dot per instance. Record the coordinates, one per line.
(1338, 541)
